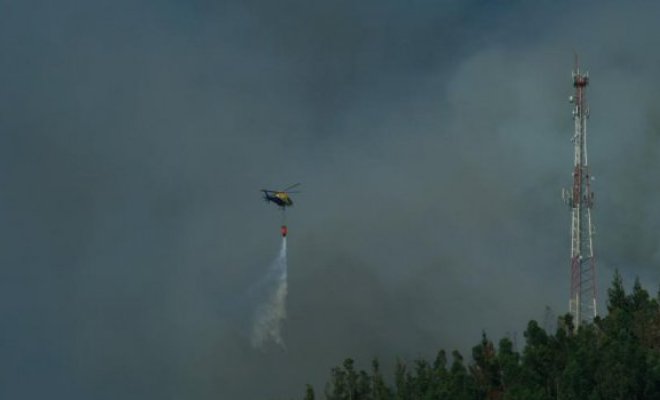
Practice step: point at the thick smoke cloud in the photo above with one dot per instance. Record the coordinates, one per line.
(432, 140)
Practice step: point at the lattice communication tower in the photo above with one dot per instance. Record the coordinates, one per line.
(580, 199)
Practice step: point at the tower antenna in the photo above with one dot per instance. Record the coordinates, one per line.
(580, 199)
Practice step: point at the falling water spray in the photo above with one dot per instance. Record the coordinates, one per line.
(270, 314)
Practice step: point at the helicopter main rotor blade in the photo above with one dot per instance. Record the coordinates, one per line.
(291, 187)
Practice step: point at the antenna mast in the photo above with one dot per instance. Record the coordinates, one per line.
(582, 302)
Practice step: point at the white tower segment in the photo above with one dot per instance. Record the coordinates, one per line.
(582, 302)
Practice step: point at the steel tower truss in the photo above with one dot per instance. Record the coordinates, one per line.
(582, 302)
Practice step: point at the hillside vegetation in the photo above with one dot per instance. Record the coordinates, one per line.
(616, 357)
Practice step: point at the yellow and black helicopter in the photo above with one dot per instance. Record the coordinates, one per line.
(280, 197)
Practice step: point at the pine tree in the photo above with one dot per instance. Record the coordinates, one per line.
(486, 370)
(402, 381)
(309, 392)
(616, 294)
(461, 384)
(380, 391)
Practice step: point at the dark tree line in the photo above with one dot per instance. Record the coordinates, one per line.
(615, 357)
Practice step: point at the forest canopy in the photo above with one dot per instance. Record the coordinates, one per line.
(615, 357)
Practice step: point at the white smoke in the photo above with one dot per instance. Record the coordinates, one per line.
(269, 316)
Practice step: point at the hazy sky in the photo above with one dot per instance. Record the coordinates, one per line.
(432, 139)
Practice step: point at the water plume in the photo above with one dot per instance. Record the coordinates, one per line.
(270, 314)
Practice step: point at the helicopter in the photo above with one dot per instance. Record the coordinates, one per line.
(280, 197)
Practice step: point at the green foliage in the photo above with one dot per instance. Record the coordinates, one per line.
(616, 357)
(379, 389)
(616, 294)
(309, 393)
